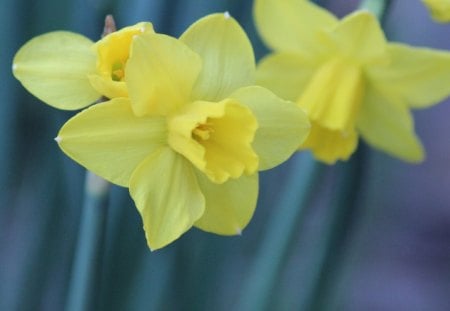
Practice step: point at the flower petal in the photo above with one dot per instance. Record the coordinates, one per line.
(360, 36)
(282, 125)
(228, 206)
(286, 74)
(439, 9)
(55, 66)
(227, 55)
(420, 76)
(160, 74)
(167, 195)
(291, 25)
(387, 124)
(110, 140)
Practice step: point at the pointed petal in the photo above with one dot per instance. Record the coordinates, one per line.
(292, 25)
(160, 74)
(229, 206)
(387, 125)
(167, 195)
(286, 74)
(110, 141)
(329, 145)
(420, 76)
(359, 35)
(55, 66)
(227, 55)
(282, 126)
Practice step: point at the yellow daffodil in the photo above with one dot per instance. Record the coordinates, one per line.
(439, 9)
(68, 71)
(348, 78)
(191, 137)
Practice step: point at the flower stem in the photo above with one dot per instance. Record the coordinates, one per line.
(331, 242)
(86, 271)
(84, 285)
(274, 250)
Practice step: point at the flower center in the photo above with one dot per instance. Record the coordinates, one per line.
(117, 71)
(216, 137)
(334, 94)
(203, 131)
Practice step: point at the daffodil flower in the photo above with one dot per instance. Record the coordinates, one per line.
(348, 78)
(191, 137)
(439, 9)
(69, 71)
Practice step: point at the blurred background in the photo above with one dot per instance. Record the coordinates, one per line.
(387, 249)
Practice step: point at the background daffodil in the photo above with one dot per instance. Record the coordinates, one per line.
(69, 71)
(439, 9)
(348, 78)
(189, 140)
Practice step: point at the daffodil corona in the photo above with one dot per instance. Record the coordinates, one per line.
(348, 78)
(69, 71)
(193, 133)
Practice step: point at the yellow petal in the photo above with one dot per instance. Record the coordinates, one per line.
(227, 55)
(110, 141)
(283, 126)
(330, 145)
(386, 124)
(286, 74)
(360, 37)
(112, 55)
(439, 9)
(167, 195)
(292, 25)
(419, 76)
(333, 96)
(216, 137)
(55, 66)
(160, 74)
(229, 206)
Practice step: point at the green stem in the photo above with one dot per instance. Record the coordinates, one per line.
(327, 256)
(86, 272)
(274, 250)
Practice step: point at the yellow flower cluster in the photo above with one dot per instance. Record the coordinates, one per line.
(188, 122)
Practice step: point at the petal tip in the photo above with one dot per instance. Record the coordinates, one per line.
(227, 15)
(238, 231)
(14, 67)
(58, 139)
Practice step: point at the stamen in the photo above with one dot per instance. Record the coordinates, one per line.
(203, 131)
